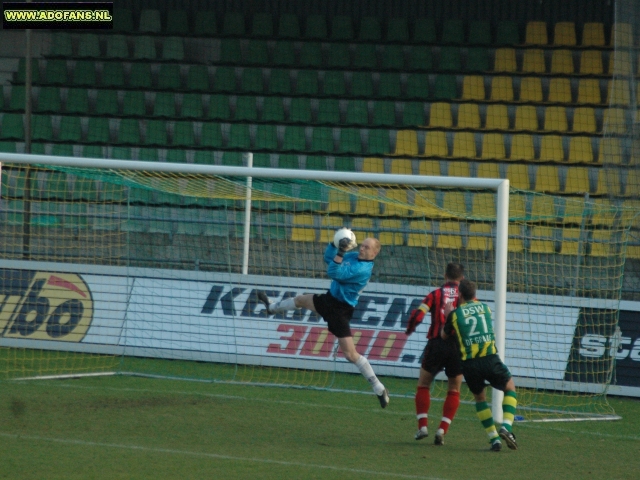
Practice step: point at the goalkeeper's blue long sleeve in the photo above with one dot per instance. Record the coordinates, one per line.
(349, 277)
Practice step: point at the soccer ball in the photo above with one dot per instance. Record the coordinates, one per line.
(345, 233)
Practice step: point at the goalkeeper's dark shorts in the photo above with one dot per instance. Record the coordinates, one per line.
(442, 355)
(489, 368)
(337, 314)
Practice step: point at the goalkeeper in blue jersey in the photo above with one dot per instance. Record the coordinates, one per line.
(470, 323)
(350, 272)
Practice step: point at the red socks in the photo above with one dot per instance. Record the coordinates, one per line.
(423, 402)
(449, 409)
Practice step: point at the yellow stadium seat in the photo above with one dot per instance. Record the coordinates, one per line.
(580, 150)
(608, 182)
(543, 208)
(436, 144)
(396, 203)
(622, 34)
(302, 230)
(449, 235)
(493, 146)
(526, 118)
(610, 151)
(632, 188)
(464, 145)
(620, 63)
(373, 165)
(488, 170)
(522, 147)
(454, 203)
(517, 206)
(577, 180)
(505, 60)
(497, 117)
(574, 210)
(570, 244)
(551, 148)
(480, 237)
(564, 33)
(562, 62)
(483, 205)
(424, 204)
(633, 251)
(591, 62)
(533, 61)
(407, 143)
(542, 240)
(362, 227)
(418, 236)
(329, 225)
(602, 212)
(614, 120)
(429, 167)
(584, 120)
(589, 90)
(593, 34)
(518, 175)
(393, 235)
(536, 33)
(468, 115)
(547, 179)
(632, 206)
(619, 93)
(339, 202)
(440, 115)
(516, 243)
(473, 87)
(502, 89)
(531, 89)
(458, 169)
(559, 90)
(601, 244)
(401, 166)
(555, 118)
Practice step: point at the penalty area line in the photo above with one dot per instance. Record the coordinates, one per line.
(216, 456)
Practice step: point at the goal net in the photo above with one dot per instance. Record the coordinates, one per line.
(152, 269)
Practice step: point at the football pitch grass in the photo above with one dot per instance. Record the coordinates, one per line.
(132, 427)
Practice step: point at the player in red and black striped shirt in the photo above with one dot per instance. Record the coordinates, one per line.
(438, 354)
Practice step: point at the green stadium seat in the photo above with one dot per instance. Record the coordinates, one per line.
(344, 164)
(280, 82)
(211, 135)
(112, 75)
(18, 98)
(507, 33)
(122, 20)
(357, 112)
(450, 59)
(252, 80)
(479, 33)
(420, 58)
(288, 26)
(365, 56)
(150, 21)
(12, 127)
(398, 30)
(316, 27)
(239, 136)
(35, 70)
(41, 128)
(183, 135)
(129, 132)
(294, 139)
(257, 53)
(453, 32)
(262, 25)
(334, 84)
(134, 103)
(261, 160)
(98, 130)
(192, 106)
(289, 161)
(234, 24)
(393, 57)
(328, 111)
(198, 78)
(177, 23)
(164, 105)
(219, 108)
(107, 102)
(273, 110)
(121, 153)
(233, 159)
(173, 49)
(224, 80)
(246, 109)
(93, 151)
(61, 45)
(307, 82)
(49, 100)
(140, 75)
(338, 55)
(84, 74)
(424, 31)
(230, 51)
(205, 23)
(169, 77)
(7, 147)
(370, 30)
(362, 84)
(316, 163)
(284, 54)
(379, 142)
(417, 86)
(55, 72)
(311, 55)
(390, 85)
(117, 47)
(342, 28)
(477, 60)
(384, 114)
(146, 154)
(350, 141)
(413, 114)
(62, 150)
(322, 140)
(144, 48)
(266, 138)
(156, 133)
(174, 155)
(70, 129)
(445, 87)
(89, 46)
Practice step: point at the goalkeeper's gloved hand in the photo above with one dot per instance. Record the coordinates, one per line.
(344, 246)
(415, 319)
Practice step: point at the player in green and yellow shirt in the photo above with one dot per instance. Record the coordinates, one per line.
(472, 326)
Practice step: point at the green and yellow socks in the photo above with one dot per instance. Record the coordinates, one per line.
(509, 405)
(486, 418)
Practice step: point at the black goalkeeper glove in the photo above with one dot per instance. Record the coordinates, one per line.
(343, 246)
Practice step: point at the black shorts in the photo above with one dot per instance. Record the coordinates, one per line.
(337, 314)
(489, 368)
(441, 355)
